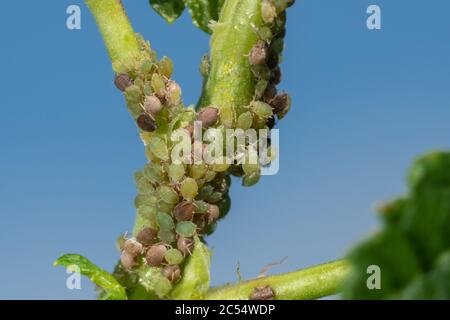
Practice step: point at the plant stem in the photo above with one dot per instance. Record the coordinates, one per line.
(230, 82)
(116, 30)
(306, 284)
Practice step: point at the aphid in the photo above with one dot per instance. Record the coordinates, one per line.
(172, 272)
(152, 105)
(275, 77)
(132, 247)
(273, 60)
(189, 188)
(258, 54)
(205, 65)
(155, 255)
(173, 93)
(165, 66)
(146, 236)
(262, 293)
(212, 214)
(186, 228)
(280, 102)
(271, 122)
(185, 245)
(265, 33)
(277, 45)
(270, 93)
(127, 260)
(173, 256)
(268, 11)
(200, 221)
(184, 211)
(208, 116)
(123, 81)
(146, 123)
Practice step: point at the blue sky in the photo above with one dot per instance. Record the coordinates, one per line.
(365, 104)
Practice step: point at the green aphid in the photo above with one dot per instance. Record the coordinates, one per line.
(186, 228)
(168, 195)
(147, 67)
(205, 65)
(158, 84)
(164, 221)
(176, 172)
(201, 207)
(133, 94)
(245, 121)
(153, 172)
(167, 236)
(165, 67)
(262, 109)
(251, 179)
(173, 256)
(158, 148)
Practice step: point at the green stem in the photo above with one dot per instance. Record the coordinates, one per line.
(311, 283)
(116, 30)
(230, 82)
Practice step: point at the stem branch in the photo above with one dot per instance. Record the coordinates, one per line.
(306, 284)
(116, 30)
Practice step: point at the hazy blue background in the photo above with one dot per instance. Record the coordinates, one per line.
(366, 103)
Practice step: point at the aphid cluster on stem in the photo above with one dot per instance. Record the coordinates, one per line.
(178, 202)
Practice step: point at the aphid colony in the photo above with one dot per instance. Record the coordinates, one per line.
(176, 202)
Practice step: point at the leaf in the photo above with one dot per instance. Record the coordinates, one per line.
(203, 11)
(435, 285)
(113, 290)
(195, 281)
(170, 10)
(412, 249)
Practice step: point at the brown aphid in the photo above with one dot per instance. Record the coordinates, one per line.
(212, 214)
(132, 247)
(146, 236)
(270, 93)
(123, 81)
(258, 54)
(190, 130)
(127, 260)
(264, 292)
(273, 60)
(173, 93)
(276, 76)
(155, 255)
(172, 272)
(200, 221)
(184, 211)
(185, 245)
(208, 116)
(270, 122)
(280, 102)
(152, 105)
(146, 123)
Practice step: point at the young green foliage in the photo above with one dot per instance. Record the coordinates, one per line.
(412, 249)
(111, 287)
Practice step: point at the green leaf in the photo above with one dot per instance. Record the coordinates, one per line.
(195, 281)
(412, 249)
(113, 290)
(203, 11)
(435, 285)
(170, 10)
